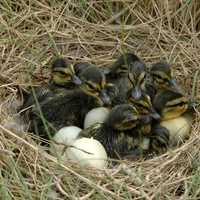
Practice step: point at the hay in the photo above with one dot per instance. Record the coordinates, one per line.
(34, 32)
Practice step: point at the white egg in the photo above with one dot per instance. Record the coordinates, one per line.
(88, 152)
(145, 143)
(96, 115)
(179, 129)
(66, 135)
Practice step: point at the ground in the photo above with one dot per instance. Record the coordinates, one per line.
(33, 33)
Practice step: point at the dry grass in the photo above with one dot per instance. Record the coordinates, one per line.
(34, 32)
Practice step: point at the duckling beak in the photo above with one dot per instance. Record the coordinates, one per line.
(174, 85)
(106, 71)
(105, 98)
(154, 114)
(192, 104)
(76, 80)
(136, 93)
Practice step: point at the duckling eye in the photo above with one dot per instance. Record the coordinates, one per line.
(124, 67)
(181, 104)
(157, 76)
(143, 105)
(62, 74)
(91, 87)
(161, 80)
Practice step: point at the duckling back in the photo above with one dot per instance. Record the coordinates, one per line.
(59, 111)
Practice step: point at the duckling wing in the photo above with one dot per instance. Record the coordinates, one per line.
(116, 144)
(100, 133)
(50, 113)
(39, 93)
(64, 109)
(127, 144)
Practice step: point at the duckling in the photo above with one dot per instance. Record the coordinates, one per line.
(161, 77)
(179, 129)
(143, 104)
(145, 109)
(110, 88)
(118, 134)
(171, 133)
(63, 76)
(170, 104)
(176, 115)
(128, 71)
(78, 67)
(93, 83)
(70, 107)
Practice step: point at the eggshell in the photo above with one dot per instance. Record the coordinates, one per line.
(88, 152)
(179, 129)
(96, 115)
(66, 135)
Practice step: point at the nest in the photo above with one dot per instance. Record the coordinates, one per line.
(34, 32)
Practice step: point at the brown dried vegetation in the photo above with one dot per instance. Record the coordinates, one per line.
(32, 33)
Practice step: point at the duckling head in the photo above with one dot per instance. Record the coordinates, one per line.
(131, 66)
(170, 104)
(94, 84)
(79, 67)
(63, 73)
(143, 105)
(136, 76)
(162, 76)
(121, 66)
(123, 117)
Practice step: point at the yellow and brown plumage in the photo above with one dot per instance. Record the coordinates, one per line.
(159, 139)
(170, 104)
(146, 109)
(119, 133)
(128, 71)
(160, 78)
(176, 113)
(63, 76)
(173, 108)
(68, 107)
